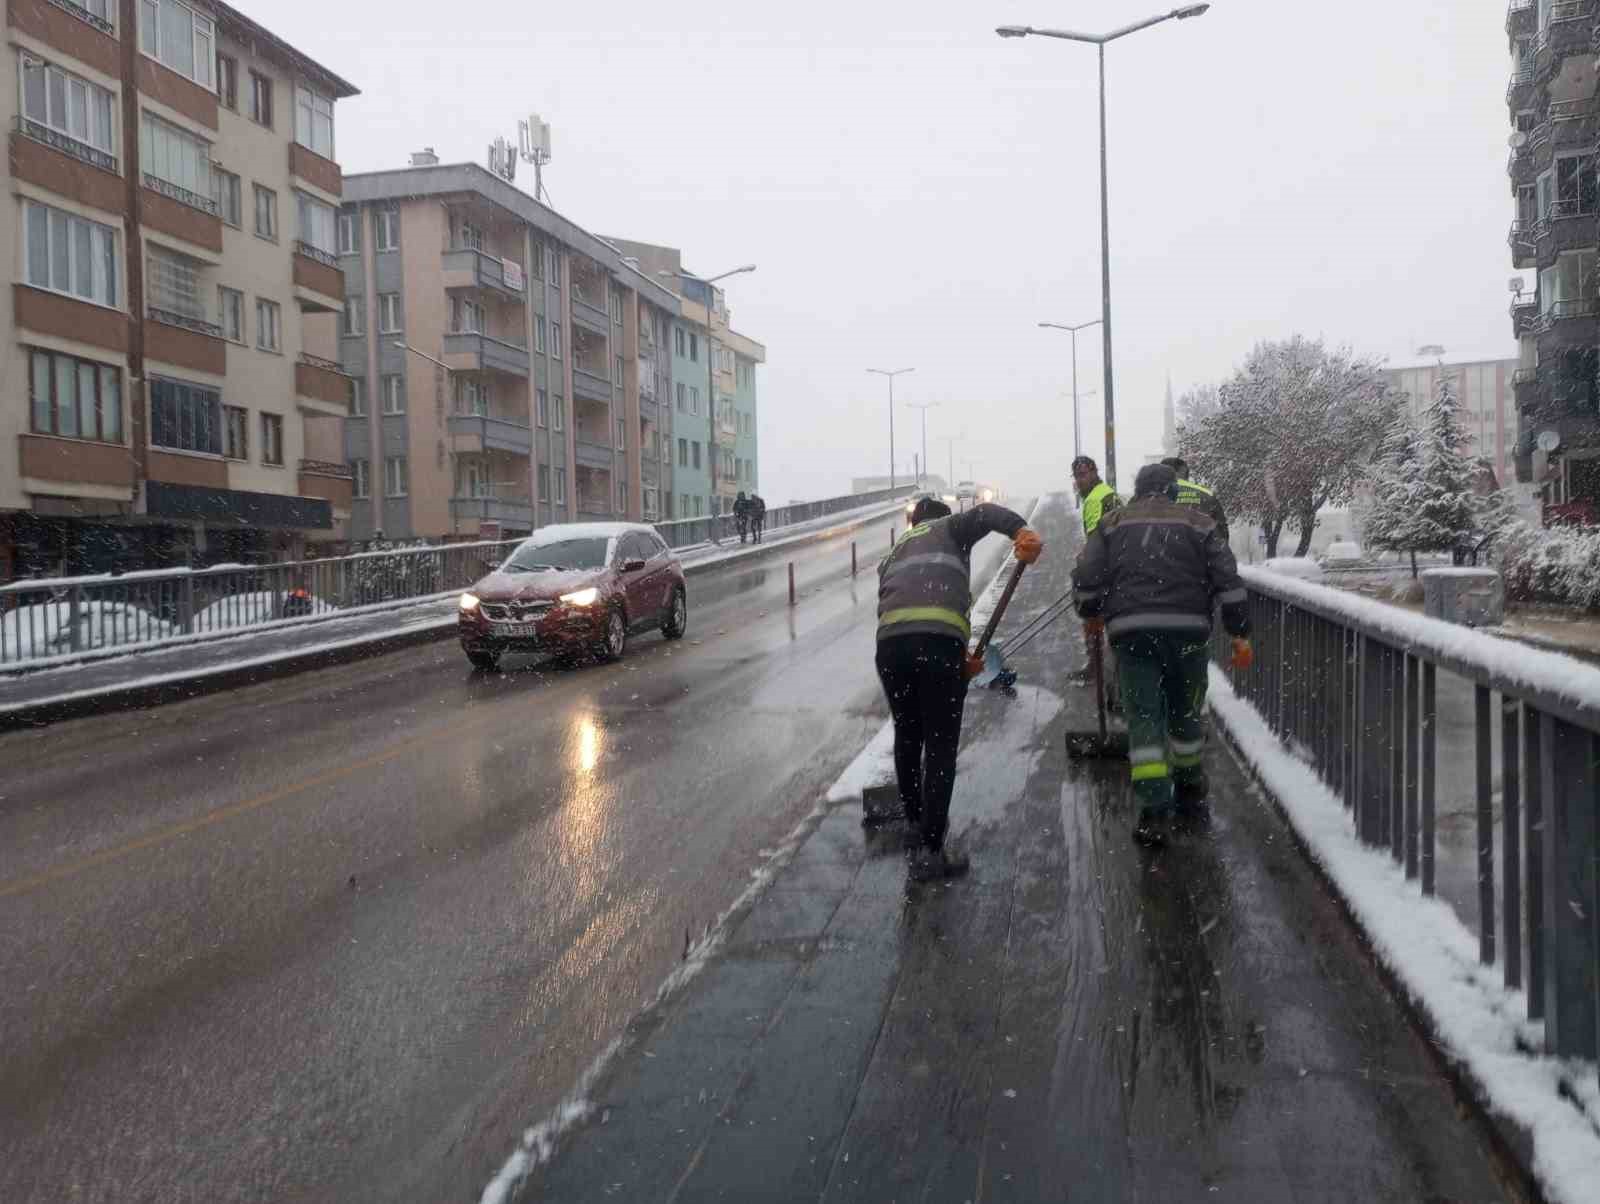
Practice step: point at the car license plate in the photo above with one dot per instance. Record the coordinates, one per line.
(517, 631)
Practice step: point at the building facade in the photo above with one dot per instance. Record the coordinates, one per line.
(1555, 120)
(172, 180)
(509, 365)
(714, 378)
(1488, 403)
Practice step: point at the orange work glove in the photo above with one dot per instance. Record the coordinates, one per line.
(1094, 628)
(1027, 545)
(1243, 654)
(974, 665)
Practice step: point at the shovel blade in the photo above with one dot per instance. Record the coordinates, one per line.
(1092, 746)
(993, 666)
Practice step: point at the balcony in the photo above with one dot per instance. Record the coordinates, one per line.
(650, 473)
(1524, 314)
(478, 433)
(318, 280)
(593, 455)
(590, 386)
(1521, 83)
(308, 167)
(465, 267)
(1524, 243)
(507, 511)
(321, 388)
(67, 145)
(1521, 17)
(484, 353)
(1569, 32)
(1571, 226)
(648, 409)
(185, 341)
(333, 483)
(586, 313)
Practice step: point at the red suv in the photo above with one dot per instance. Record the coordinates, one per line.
(572, 589)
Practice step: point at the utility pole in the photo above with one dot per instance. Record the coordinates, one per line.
(891, 374)
(924, 406)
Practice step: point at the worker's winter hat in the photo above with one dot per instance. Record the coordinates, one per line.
(928, 509)
(1155, 478)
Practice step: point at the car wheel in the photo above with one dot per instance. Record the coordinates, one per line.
(485, 659)
(616, 636)
(677, 620)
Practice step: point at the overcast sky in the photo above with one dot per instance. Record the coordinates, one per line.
(919, 193)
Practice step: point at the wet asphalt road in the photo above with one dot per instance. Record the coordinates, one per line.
(343, 936)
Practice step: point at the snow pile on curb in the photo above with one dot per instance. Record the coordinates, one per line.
(1433, 955)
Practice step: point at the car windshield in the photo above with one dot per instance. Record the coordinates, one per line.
(585, 553)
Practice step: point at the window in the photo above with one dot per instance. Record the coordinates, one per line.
(1575, 186)
(358, 396)
(225, 190)
(350, 233)
(695, 448)
(269, 325)
(393, 387)
(394, 476)
(230, 309)
(552, 267)
(388, 313)
(544, 482)
(541, 407)
(464, 235)
(616, 307)
(66, 104)
(1570, 285)
(272, 439)
(178, 158)
(74, 398)
(266, 213)
(622, 435)
(236, 433)
(560, 496)
(558, 413)
(361, 470)
(313, 121)
(472, 477)
(683, 398)
(555, 340)
(683, 453)
(694, 348)
(617, 379)
(353, 321)
(466, 316)
(699, 505)
(387, 222)
(178, 37)
(261, 99)
(472, 396)
(68, 254)
(538, 333)
(316, 223)
(173, 284)
(682, 345)
(694, 399)
(228, 82)
(185, 417)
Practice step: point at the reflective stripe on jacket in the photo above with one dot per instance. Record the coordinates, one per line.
(925, 582)
(1198, 496)
(1100, 501)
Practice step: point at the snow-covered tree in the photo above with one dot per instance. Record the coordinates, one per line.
(1394, 485)
(1289, 434)
(1447, 503)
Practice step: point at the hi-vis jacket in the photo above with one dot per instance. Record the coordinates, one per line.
(925, 583)
(1101, 501)
(1198, 496)
(1154, 565)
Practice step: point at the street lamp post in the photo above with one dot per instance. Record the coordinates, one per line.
(1077, 438)
(924, 406)
(891, 373)
(401, 344)
(713, 449)
(1100, 41)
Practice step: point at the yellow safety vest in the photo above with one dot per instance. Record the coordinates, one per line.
(1096, 505)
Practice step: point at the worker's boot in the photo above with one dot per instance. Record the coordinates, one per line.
(1154, 827)
(926, 864)
(1189, 795)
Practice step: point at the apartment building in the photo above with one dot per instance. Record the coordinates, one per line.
(713, 377)
(173, 181)
(1554, 113)
(1483, 385)
(507, 362)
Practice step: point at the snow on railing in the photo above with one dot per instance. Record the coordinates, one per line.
(1352, 685)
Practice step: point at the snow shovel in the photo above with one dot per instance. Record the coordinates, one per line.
(1101, 744)
(998, 675)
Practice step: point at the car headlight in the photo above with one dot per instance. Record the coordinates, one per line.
(988, 495)
(583, 597)
(469, 602)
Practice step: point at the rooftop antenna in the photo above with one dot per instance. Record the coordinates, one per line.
(534, 136)
(503, 160)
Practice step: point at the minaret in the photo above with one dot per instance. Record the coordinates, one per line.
(1169, 429)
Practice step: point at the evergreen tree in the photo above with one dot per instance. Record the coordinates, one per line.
(1447, 501)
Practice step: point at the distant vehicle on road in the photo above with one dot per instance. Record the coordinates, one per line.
(911, 502)
(1342, 552)
(575, 589)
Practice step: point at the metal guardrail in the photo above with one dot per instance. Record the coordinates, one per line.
(66, 144)
(61, 619)
(326, 258)
(180, 194)
(171, 317)
(316, 361)
(84, 15)
(1354, 684)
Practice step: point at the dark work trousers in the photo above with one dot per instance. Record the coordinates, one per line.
(927, 688)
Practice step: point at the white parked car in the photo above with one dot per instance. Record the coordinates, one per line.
(1342, 552)
(45, 629)
(1294, 566)
(259, 606)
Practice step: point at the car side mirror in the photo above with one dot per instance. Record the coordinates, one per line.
(632, 566)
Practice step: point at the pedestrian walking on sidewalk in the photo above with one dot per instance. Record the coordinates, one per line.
(1150, 574)
(924, 600)
(741, 515)
(1198, 496)
(758, 512)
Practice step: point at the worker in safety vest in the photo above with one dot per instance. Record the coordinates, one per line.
(924, 602)
(1191, 494)
(1099, 499)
